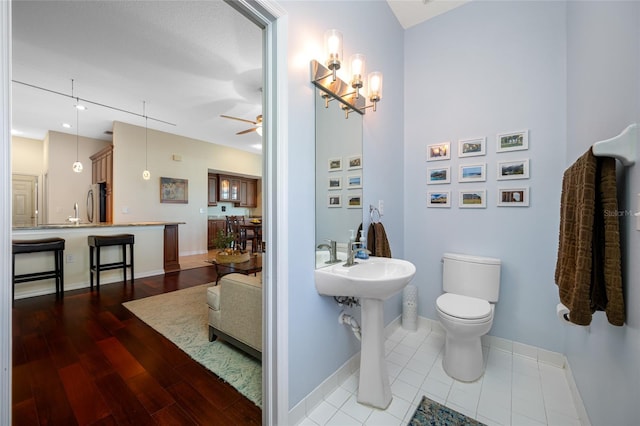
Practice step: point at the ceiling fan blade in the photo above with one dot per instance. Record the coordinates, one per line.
(239, 119)
(247, 131)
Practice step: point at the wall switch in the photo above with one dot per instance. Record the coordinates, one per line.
(381, 207)
(70, 258)
(201, 210)
(125, 210)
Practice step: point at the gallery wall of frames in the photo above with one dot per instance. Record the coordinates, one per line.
(471, 172)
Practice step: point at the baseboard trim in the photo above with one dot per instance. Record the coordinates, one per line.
(316, 396)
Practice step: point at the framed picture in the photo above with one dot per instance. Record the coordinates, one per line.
(335, 183)
(354, 181)
(437, 175)
(476, 199)
(439, 199)
(335, 164)
(438, 151)
(514, 141)
(517, 169)
(513, 197)
(473, 172)
(355, 162)
(472, 147)
(354, 201)
(174, 190)
(334, 200)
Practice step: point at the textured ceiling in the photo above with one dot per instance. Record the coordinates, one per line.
(413, 12)
(189, 60)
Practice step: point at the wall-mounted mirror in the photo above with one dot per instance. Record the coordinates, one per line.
(338, 175)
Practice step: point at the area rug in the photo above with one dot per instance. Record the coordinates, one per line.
(434, 414)
(181, 317)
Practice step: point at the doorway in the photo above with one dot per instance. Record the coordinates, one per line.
(24, 190)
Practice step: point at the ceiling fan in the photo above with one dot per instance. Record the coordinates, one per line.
(257, 124)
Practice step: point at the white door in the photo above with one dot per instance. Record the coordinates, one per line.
(24, 193)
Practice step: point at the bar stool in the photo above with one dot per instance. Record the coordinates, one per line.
(98, 241)
(56, 245)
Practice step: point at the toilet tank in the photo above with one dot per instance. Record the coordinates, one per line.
(473, 276)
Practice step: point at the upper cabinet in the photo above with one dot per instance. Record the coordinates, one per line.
(229, 188)
(213, 190)
(239, 190)
(102, 171)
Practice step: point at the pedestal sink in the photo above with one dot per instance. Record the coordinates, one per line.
(372, 281)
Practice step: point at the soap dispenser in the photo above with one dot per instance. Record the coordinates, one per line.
(362, 254)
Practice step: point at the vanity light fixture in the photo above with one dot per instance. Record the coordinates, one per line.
(333, 87)
(333, 51)
(146, 175)
(77, 166)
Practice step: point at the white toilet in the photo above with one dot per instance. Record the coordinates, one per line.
(471, 285)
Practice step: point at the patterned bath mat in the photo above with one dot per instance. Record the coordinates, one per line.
(433, 414)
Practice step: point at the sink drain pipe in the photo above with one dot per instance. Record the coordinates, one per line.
(347, 319)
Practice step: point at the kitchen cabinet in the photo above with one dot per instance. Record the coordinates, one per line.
(248, 189)
(213, 190)
(229, 188)
(102, 171)
(214, 226)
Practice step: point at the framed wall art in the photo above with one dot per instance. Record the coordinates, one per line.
(515, 169)
(476, 199)
(174, 190)
(335, 183)
(354, 201)
(473, 172)
(335, 164)
(438, 175)
(439, 199)
(439, 151)
(355, 162)
(514, 141)
(354, 181)
(472, 147)
(334, 200)
(513, 197)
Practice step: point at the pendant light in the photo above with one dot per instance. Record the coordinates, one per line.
(146, 175)
(77, 166)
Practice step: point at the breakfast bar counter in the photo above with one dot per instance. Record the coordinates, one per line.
(156, 252)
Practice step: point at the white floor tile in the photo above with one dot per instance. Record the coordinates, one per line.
(515, 390)
(342, 419)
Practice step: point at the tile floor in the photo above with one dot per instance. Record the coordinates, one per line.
(515, 390)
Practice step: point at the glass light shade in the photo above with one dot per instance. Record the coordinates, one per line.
(333, 48)
(77, 167)
(357, 66)
(259, 130)
(146, 175)
(375, 86)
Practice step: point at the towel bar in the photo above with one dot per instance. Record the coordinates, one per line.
(623, 147)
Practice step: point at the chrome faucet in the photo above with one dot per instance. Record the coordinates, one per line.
(333, 254)
(352, 248)
(76, 215)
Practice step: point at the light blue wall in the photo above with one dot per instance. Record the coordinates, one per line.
(318, 345)
(479, 70)
(603, 98)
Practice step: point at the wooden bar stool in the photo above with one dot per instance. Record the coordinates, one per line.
(98, 241)
(56, 245)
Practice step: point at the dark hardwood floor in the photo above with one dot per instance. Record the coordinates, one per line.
(86, 360)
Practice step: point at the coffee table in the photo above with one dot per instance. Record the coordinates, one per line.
(251, 266)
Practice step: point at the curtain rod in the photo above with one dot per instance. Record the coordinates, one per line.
(92, 102)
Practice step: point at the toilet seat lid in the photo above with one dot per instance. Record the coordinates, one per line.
(464, 307)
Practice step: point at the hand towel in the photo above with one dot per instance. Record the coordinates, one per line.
(588, 271)
(377, 242)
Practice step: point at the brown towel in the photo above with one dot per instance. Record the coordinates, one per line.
(377, 242)
(588, 272)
